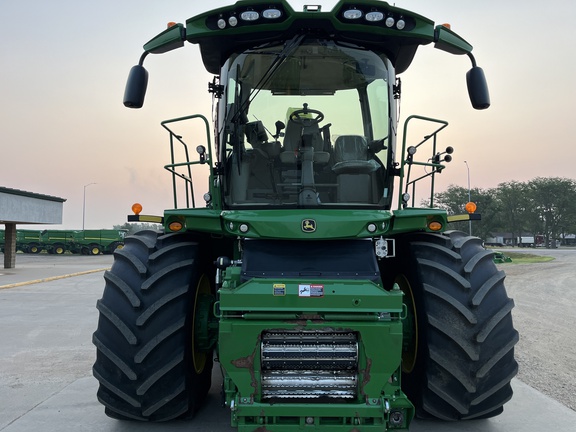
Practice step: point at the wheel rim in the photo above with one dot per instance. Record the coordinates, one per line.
(409, 325)
(199, 357)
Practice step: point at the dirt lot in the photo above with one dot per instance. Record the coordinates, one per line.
(545, 316)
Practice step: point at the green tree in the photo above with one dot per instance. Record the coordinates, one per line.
(553, 205)
(133, 227)
(454, 200)
(542, 206)
(513, 203)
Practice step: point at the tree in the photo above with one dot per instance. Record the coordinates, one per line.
(454, 199)
(133, 227)
(542, 206)
(553, 203)
(513, 204)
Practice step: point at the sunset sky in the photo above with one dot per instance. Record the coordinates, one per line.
(65, 63)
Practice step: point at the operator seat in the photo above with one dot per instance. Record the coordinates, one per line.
(297, 136)
(291, 144)
(355, 170)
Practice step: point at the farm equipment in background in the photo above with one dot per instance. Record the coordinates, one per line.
(58, 242)
(29, 241)
(55, 242)
(326, 306)
(95, 242)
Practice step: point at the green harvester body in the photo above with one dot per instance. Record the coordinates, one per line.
(306, 317)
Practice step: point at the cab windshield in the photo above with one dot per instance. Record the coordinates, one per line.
(306, 126)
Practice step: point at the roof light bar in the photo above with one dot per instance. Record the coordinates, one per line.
(246, 16)
(377, 16)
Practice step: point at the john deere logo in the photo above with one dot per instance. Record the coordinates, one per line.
(308, 225)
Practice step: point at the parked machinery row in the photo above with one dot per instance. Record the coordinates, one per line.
(86, 242)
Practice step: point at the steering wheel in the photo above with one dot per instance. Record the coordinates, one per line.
(298, 116)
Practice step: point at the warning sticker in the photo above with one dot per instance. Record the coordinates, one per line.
(310, 290)
(279, 289)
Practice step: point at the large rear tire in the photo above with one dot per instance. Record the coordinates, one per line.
(459, 353)
(147, 363)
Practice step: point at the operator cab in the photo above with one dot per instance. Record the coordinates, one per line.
(306, 124)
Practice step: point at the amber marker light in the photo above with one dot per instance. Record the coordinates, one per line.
(137, 208)
(434, 226)
(175, 226)
(171, 24)
(470, 207)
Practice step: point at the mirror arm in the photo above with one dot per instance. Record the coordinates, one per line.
(142, 57)
(472, 59)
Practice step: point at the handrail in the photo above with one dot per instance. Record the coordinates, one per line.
(174, 138)
(408, 159)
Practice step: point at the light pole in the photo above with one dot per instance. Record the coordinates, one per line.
(84, 205)
(469, 197)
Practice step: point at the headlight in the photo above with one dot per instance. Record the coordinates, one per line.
(272, 13)
(352, 14)
(249, 16)
(374, 16)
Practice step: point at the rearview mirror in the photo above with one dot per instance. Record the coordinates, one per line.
(478, 88)
(136, 87)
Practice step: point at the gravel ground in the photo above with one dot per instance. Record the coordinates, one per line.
(545, 316)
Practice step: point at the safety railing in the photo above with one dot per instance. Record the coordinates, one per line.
(431, 166)
(183, 170)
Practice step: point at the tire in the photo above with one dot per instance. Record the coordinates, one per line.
(147, 363)
(459, 342)
(112, 247)
(94, 249)
(58, 249)
(34, 248)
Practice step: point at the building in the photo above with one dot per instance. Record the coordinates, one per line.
(21, 207)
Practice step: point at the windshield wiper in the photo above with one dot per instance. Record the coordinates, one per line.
(289, 48)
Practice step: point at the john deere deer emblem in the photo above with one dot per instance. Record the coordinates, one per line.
(308, 225)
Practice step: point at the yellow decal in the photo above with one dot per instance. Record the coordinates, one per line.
(279, 289)
(308, 225)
